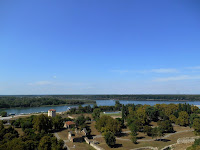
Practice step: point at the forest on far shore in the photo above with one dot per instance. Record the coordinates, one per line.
(9, 102)
(160, 97)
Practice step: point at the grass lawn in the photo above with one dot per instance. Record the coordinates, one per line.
(76, 115)
(115, 115)
(19, 130)
(127, 145)
(182, 146)
(93, 129)
(79, 146)
(63, 134)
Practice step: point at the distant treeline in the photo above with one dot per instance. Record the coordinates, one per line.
(134, 97)
(123, 97)
(8, 101)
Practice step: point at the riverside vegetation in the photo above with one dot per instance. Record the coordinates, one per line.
(9, 101)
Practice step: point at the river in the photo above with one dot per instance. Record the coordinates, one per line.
(28, 110)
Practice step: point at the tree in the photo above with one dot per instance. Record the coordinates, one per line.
(147, 130)
(42, 123)
(172, 118)
(107, 123)
(192, 117)
(152, 113)
(134, 139)
(26, 124)
(80, 121)
(160, 132)
(96, 113)
(141, 115)
(57, 122)
(1, 125)
(3, 114)
(117, 105)
(196, 126)
(123, 114)
(88, 118)
(134, 129)
(110, 138)
(157, 132)
(31, 145)
(45, 143)
(154, 132)
(166, 126)
(183, 118)
(195, 146)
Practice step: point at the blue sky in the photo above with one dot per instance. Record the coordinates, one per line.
(99, 47)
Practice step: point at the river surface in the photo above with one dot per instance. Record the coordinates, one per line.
(28, 110)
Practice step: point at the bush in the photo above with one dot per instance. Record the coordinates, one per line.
(3, 114)
(134, 139)
(110, 138)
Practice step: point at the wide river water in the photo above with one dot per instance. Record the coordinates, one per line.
(18, 111)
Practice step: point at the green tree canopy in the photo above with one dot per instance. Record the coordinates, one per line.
(110, 138)
(42, 123)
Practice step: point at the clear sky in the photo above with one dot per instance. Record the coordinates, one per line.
(99, 47)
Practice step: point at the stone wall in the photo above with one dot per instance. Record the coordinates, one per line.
(148, 147)
(184, 140)
(187, 139)
(95, 146)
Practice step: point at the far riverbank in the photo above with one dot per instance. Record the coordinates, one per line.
(63, 108)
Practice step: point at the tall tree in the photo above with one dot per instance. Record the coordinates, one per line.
(196, 126)
(110, 138)
(183, 118)
(42, 123)
(96, 113)
(57, 122)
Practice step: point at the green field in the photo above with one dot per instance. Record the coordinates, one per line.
(112, 114)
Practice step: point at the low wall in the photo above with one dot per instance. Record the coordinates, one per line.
(148, 147)
(184, 140)
(187, 140)
(95, 146)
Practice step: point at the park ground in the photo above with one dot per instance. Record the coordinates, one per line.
(123, 141)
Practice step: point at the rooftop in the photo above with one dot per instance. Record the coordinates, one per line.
(52, 110)
(69, 122)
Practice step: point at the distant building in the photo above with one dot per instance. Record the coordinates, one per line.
(51, 112)
(69, 124)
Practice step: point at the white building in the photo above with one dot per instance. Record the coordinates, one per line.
(51, 112)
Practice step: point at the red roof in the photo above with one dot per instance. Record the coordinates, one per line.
(69, 123)
(52, 110)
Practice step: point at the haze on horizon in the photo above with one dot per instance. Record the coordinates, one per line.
(99, 47)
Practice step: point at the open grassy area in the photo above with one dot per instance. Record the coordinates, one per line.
(79, 146)
(127, 145)
(76, 115)
(182, 146)
(123, 144)
(114, 115)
